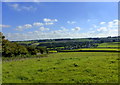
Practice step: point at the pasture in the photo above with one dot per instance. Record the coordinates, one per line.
(110, 45)
(71, 67)
(92, 49)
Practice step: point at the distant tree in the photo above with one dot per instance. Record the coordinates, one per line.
(42, 49)
(32, 50)
(22, 50)
(101, 41)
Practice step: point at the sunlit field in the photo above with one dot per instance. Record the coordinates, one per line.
(110, 44)
(71, 67)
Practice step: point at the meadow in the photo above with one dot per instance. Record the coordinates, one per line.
(92, 49)
(110, 45)
(70, 67)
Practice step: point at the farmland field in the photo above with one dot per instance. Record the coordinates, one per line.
(71, 67)
(94, 49)
(110, 44)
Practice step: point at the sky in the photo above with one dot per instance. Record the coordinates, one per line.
(52, 20)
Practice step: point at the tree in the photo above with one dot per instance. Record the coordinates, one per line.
(42, 49)
(31, 50)
(10, 49)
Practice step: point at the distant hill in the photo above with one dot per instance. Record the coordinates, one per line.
(70, 43)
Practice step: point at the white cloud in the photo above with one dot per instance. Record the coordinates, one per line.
(110, 24)
(36, 31)
(71, 22)
(21, 28)
(110, 29)
(45, 35)
(27, 26)
(102, 23)
(49, 23)
(64, 29)
(38, 24)
(49, 20)
(61, 31)
(43, 29)
(102, 29)
(5, 26)
(95, 26)
(116, 22)
(28, 8)
(110, 32)
(113, 23)
(46, 22)
(20, 7)
(76, 28)
(55, 20)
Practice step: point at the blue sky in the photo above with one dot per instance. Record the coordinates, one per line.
(49, 20)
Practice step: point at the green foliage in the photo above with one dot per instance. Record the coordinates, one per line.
(32, 50)
(10, 49)
(13, 49)
(42, 49)
(21, 50)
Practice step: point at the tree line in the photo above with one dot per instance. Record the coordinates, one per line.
(13, 49)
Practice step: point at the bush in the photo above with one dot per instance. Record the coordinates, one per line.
(10, 49)
(13, 49)
(32, 50)
(42, 49)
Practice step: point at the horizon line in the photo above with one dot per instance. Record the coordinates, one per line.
(63, 38)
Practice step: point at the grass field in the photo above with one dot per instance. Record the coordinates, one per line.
(94, 49)
(71, 67)
(0, 71)
(111, 44)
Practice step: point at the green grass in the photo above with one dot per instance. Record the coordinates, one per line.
(60, 47)
(94, 49)
(52, 51)
(23, 57)
(100, 49)
(0, 71)
(24, 42)
(75, 67)
(35, 44)
(112, 44)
